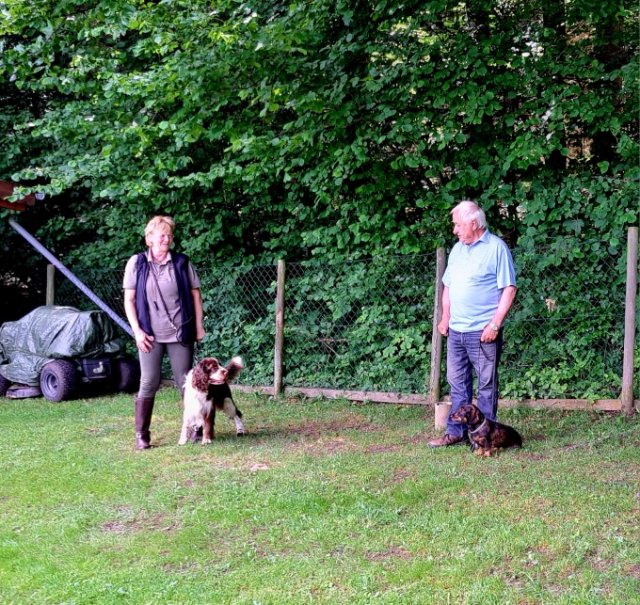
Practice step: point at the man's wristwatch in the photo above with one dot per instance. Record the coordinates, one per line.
(494, 327)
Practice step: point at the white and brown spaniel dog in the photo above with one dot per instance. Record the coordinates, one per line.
(206, 389)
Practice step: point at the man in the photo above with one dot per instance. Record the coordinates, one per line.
(479, 289)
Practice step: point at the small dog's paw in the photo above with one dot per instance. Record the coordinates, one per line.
(206, 441)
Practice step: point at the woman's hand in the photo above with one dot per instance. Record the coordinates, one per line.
(144, 341)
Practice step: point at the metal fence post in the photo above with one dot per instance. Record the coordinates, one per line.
(436, 337)
(279, 344)
(626, 396)
(50, 295)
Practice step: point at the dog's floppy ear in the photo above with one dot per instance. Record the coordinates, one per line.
(200, 376)
(233, 368)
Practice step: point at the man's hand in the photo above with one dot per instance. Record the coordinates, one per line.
(443, 327)
(490, 332)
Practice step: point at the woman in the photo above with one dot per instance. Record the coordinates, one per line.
(163, 304)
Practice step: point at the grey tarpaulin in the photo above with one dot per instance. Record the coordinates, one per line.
(53, 332)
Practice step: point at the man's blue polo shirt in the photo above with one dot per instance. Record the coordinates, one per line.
(476, 274)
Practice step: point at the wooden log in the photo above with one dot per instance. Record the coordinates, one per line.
(373, 396)
(605, 405)
(245, 388)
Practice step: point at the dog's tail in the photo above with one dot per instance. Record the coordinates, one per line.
(233, 368)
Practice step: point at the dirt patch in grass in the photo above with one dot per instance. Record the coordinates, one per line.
(634, 571)
(419, 439)
(135, 525)
(115, 527)
(393, 553)
(382, 448)
(533, 456)
(180, 568)
(400, 475)
(327, 437)
(255, 467)
(315, 428)
(324, 446)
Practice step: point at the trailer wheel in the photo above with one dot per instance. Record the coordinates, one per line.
(59, 380)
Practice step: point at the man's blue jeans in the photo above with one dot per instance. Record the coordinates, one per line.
(467, 356)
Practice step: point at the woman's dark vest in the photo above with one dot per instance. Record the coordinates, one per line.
(187, 333)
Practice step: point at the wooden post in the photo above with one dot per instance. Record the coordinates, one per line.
(279, 345)
(436, 337)
(626, 396)
(50, 295)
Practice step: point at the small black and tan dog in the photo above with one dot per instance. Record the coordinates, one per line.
(486, 436)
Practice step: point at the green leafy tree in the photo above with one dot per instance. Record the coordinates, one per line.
(328, 131)
(332, 128)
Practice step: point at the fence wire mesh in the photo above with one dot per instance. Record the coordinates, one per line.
(565, 333)
(366, 325)
(106, 284)
(363, 325)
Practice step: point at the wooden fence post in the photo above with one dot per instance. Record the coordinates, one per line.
(50, 295)
(436, 337)
(279, 345)
(626, 396)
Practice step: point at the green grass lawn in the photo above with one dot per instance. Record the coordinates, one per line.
(323, 502)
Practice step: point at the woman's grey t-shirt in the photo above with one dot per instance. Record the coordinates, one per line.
(161, 322)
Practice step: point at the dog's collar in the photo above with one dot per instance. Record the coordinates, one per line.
(480, 427)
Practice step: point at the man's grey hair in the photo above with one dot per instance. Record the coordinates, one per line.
(468, 210)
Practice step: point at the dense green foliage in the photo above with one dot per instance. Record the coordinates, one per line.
(336, 128)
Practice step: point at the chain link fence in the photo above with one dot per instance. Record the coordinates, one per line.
(366, 325)
(362, 325)
(565, 333)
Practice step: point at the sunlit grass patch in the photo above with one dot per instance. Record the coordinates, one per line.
(322, 502)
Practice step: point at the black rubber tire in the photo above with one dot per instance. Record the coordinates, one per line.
(59, 380)
(4, 385)
(22, 391)
(128, 375)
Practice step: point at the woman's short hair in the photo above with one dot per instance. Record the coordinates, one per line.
(156, 222)
(468, 210)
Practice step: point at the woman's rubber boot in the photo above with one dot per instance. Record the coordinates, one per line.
(143, 411)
